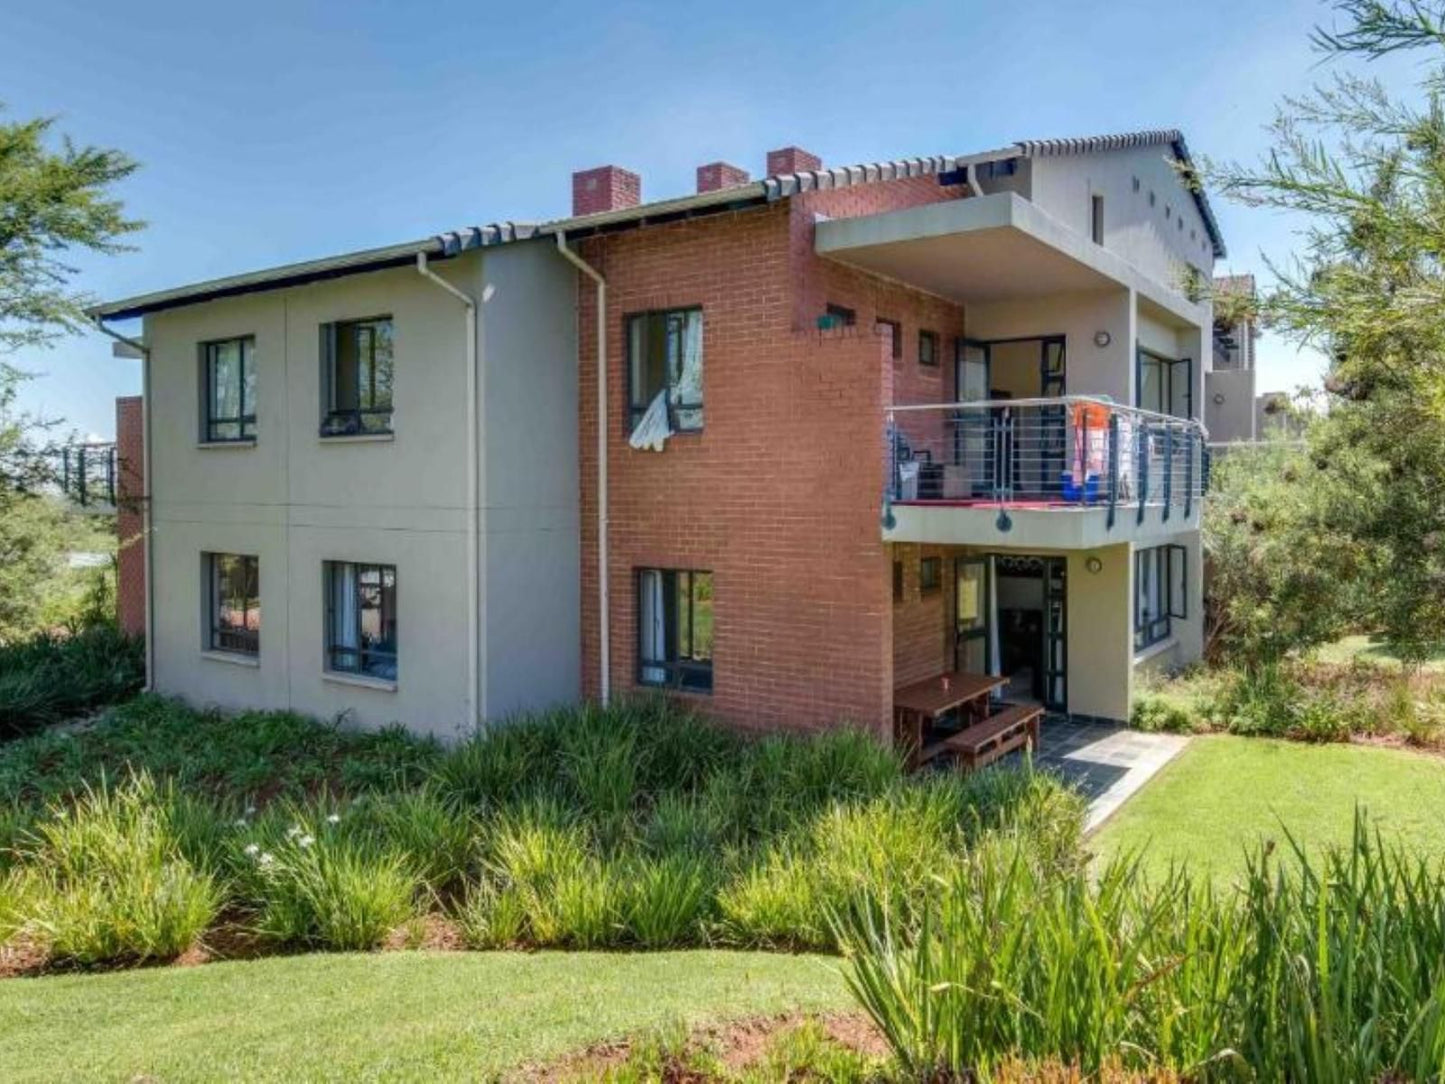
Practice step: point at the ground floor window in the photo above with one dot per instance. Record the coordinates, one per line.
(675, 628)
(1160, 593)
(234, 610)
(361, 619)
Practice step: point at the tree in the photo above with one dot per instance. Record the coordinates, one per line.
(1368, 173)
(54, 201)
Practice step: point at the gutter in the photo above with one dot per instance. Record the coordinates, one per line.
(604, 597)
(145, 500)
(474, 694)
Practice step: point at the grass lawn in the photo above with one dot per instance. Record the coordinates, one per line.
(1372, 649)
(1225, 793)
(396, 1016)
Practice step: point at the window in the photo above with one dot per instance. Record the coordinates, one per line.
(675, 629)
(930, 575)
(1166, 385)
(361, 619)
(1160, 593)
(356, 377)
(897, 581)
(229, 372)
(664, 354)
(837, 316)
(897, 329)
(928, 348)
(234, 603)
(1096, 219)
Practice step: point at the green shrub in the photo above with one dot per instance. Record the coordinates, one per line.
(112, 881)
(438, 838)
(774, 904)
(332, 891)
(492, 918)
(501, 764)
(53, 677)
(1329, 969)
(665, 900)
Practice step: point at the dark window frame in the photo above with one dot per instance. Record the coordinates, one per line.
(1096, 217)
(636, 409)
(897, 326)
(931, 337)
(1167, 375)
(339, 421)
(365, 659)
(245, 421)
(835, 315)
(898, 581)
(930, 583)
(229, 639)
(681, 670)
(1163, 565)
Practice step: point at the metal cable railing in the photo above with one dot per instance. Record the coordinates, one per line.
(88, 473)
(1069, 451)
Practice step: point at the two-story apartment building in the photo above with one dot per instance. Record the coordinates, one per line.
(779, 446)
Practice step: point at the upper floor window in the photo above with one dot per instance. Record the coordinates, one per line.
(361, 619)
(229, 370)
(897, 329)
(1096, 218)
(664, 357)
(837, 316)
(1166, 385)
(356, 377)
(234, 606)
(928, 348)
(675, 628)
(1160, 593)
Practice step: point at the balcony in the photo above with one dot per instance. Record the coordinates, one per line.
(1060, 473)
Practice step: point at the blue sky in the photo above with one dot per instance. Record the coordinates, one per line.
(271, 132)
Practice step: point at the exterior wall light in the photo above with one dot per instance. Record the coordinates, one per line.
(1094, 565)
(1102, 339)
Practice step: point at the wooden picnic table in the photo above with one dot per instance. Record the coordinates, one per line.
(922, 702)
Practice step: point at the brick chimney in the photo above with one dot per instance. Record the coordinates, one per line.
(606, 188)
(792, 160)
(717, 175)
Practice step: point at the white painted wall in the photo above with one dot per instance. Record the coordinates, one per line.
(1156, 238)
(296, 500)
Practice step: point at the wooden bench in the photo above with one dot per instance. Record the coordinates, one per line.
(984, 742)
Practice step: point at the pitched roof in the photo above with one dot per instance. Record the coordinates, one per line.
(767, 190)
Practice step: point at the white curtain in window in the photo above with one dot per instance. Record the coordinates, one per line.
(651, 621)
(688, 386)
(343, 602)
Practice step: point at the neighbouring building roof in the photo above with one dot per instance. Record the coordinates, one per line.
(768, 189)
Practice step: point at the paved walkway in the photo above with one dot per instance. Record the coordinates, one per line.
(1105, 763)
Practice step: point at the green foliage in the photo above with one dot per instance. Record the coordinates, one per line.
(323, 888)
(48, 678)
(1327, 971)
(1368, 174)
(106, 880)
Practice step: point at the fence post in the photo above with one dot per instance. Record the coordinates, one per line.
(1143, 465)
(1189, 473)
(1168, 467)
(1113, 467)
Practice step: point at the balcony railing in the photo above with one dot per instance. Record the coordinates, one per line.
(1070, 452)
(87, 473)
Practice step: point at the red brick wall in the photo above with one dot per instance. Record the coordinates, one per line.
(130, 491)
(921, 644)
(780, 495)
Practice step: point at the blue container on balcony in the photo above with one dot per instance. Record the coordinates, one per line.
(1085, 494)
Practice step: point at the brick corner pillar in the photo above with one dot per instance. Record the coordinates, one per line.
(130, 588)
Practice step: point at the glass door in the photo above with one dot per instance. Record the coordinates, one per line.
(1053, 440)
(973, 433)
(970, 615)
(1056, 652)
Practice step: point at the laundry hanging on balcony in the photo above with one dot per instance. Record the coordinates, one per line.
(653, 428)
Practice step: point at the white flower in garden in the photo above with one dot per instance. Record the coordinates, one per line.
(294, 831)
(335, 818)
(253, 849)
(306, 841)
(241, 823)
(267, 860)
(250, 811)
